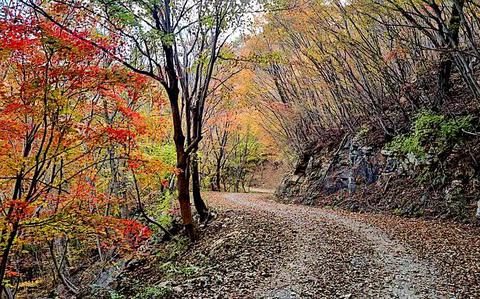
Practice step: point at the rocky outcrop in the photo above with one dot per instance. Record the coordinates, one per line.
(361, 177)
(324, 172)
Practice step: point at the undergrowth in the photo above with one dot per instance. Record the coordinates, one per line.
(432, 134)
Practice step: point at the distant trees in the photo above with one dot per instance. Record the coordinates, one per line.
(232, 150)
(231, 154)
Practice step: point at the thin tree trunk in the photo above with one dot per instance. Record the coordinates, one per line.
(218, 176)
(17, 193)
(5, 255)
(451, 42)
(59, 269)
(200, 206)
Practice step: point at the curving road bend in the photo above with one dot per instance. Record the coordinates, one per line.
(322, 248)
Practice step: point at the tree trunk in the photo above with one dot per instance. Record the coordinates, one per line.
(182, 163)
(221, 154)
(200, 206)
(173, 92)
(184, 192)
(478, 210)
(196, 135)
(450, 42)
(444, 76)
(5, 255)
(218, 176)
(17, 193)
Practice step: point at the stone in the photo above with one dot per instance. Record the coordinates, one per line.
(386, 152)
(478, 210)
(411, 158)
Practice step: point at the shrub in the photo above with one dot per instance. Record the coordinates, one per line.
(431, 133)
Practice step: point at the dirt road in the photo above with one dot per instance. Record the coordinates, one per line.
(259, 248)
(399, 273)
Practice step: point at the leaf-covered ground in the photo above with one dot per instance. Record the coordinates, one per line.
(257, 248)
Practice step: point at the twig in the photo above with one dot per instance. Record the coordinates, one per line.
(387, 184)
(471, 133)
(142, 210)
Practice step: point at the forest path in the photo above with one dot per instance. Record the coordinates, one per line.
(321, 252)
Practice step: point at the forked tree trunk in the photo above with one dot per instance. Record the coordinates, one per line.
(182, 156)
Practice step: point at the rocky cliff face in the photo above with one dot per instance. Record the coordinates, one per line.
(325, 172)
(360, 177)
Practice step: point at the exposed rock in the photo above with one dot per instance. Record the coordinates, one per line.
(323, 172)
(361, 175)
(478, 210)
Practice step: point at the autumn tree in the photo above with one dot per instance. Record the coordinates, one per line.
(174, 42)
(325, 69)
(57, 100)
